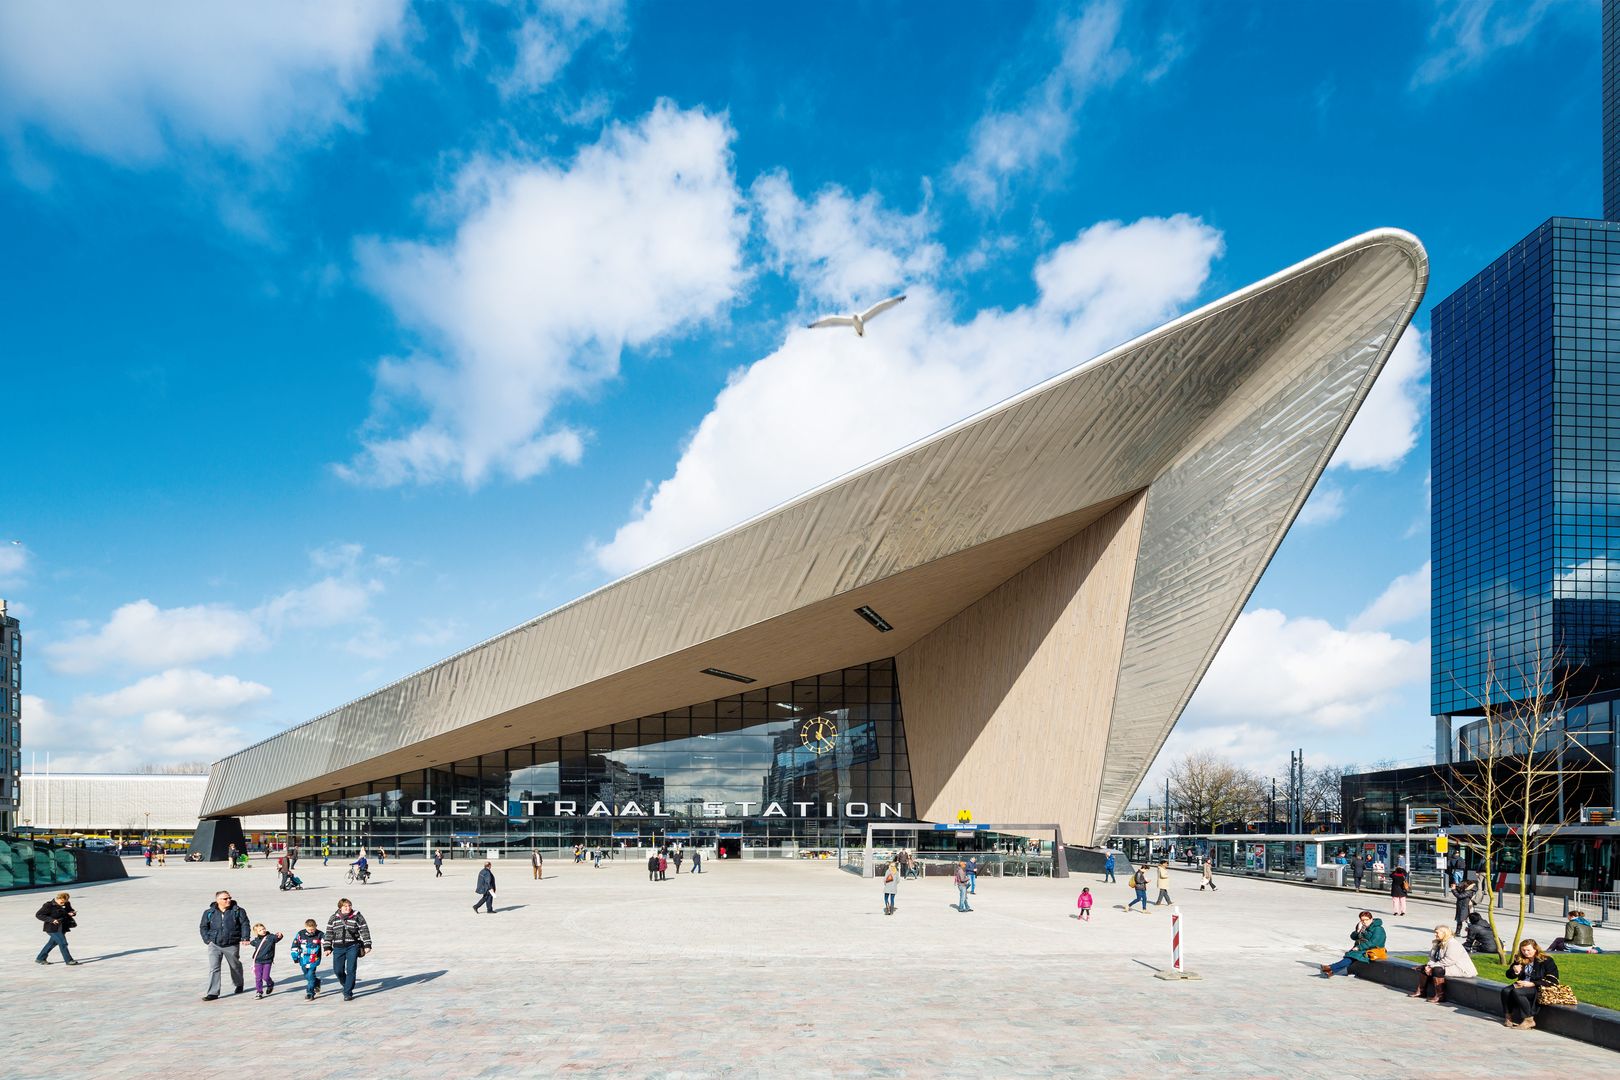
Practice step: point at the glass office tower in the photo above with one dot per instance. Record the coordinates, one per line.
(1526, 434)
(10, 719)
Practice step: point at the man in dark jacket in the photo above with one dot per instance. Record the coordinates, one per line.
(57, 915)
(224, 927)
(486, 886)
(1480, 939)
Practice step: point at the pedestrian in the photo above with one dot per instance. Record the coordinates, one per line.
(58, 917)
(1366, 944)
(960, 877)
(652, 867)
(1358, 867)
(891, 886)
(1480, 937)
(326, 853)
(306, 953)
(973, 876)
(264, 959)
(1207, 873)
(697, 861)
(348, 938)
(1139, 883)
(486, 890)
(1162, 877)
(230, 854)
(534, 862)
(678, 857)
(224, 927)
(382, 856)
(1108, 867)
(161, 851)
(1531, 971)
(1464, 893)
(1399, 888)
(1447, 959)
(438, 863)
(663, 868)
(147, 851)
(1084, 904)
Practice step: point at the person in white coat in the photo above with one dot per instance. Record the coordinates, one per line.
(1447, 960)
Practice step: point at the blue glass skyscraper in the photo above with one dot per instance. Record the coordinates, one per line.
(1526, 463)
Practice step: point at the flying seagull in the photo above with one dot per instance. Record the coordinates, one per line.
(859, 321)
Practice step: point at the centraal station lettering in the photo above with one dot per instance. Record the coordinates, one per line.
(570, 808)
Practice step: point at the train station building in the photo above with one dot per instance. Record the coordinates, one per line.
(1005, 618)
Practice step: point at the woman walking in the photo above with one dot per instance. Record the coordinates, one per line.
(1399, 888)
(1208, 872)
(348, 938)
(891, 886)
(1139, 883)
(1447, 960)
(58, 916)
(1531, 970)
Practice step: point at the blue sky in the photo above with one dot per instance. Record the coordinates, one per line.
(336, 339)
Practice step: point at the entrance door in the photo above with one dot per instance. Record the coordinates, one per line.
(729, 847)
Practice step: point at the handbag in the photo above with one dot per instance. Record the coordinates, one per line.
(1379, 953)
(1556, 994)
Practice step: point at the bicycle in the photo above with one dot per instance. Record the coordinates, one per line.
(356, 874)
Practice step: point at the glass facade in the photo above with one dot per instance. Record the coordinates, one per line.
(10, 719)
(1526, 428)
(790, 766)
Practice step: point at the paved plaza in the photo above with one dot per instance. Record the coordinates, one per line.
(754, 969)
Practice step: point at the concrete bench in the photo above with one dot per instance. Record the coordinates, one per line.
(1588, 1023)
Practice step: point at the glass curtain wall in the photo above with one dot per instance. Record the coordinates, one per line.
(784, 768)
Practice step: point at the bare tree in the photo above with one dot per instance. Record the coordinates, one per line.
(1323, 795)
(1516, 783)
(1207, 791)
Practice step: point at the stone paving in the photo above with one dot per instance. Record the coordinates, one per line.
(754, 969)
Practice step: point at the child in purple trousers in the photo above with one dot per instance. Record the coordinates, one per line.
(264, 957)
(1085, 905)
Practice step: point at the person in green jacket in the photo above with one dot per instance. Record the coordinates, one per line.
(1367, 936)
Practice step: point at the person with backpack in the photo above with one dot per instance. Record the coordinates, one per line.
(486, 889)
(58, 918)
(891, 886)
(224, 927)
(306, 953)
(1139, 884)
(348, 938)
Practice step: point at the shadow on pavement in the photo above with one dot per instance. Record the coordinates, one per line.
(395, 982)
(126, 952)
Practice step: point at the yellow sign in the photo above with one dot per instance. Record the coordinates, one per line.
(963, 817)
(1440, 845)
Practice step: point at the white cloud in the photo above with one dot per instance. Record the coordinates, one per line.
(1325, 505)
(131, 82)
(143, 635)
(1305, 671)
(840, 249)
(1406, 598)
(824, 402)
(1468, 32)
(182, 689)
(1036, 132)
(180, 715)
(13, 561)
(548, 35)
(1388, 425)
(553, 270)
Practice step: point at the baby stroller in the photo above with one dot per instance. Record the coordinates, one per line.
(290, 880)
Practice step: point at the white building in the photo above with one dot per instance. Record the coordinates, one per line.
(128, 803)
